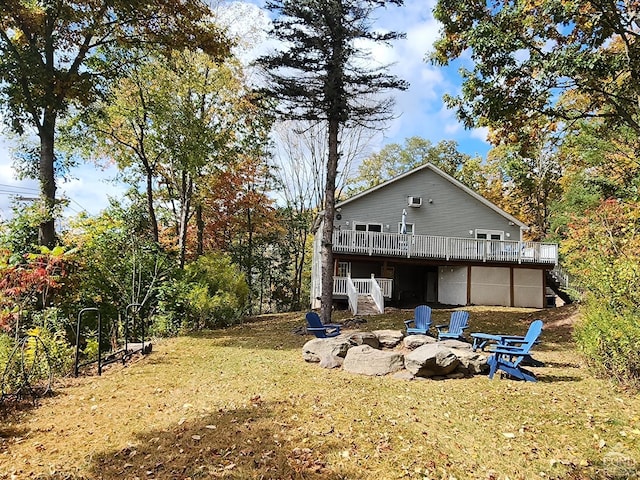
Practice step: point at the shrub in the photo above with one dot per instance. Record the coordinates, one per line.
(210, 293)
(6, 346)
(610, 341)
(602, 251)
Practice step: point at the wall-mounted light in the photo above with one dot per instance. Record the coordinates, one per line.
(347, 222)
(508, 234)
(431, 200)
(470, 232)
(339, 216)
(386, 226)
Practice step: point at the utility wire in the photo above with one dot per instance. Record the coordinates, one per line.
(4, 186)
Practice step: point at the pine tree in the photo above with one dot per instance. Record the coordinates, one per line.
(321, 74)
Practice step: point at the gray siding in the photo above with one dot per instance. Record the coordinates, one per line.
(446, 209)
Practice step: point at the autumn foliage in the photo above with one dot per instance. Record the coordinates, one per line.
(28, 285)
(602, 249)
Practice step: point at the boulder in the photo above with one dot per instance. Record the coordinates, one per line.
(366, 360)
(319, 348)
(403, 375)
(471, 362)
(364, 338)
(431, 360)
(331, 361)
(389, 338)
(460, 345)
(414, 341)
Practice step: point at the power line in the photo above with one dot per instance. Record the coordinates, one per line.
(17, 187)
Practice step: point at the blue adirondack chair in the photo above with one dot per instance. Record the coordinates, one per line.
(511, 351)
(319, 329)
(458, 322)
(421, 321)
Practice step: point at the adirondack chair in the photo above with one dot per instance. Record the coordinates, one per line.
(458, 322)
(319, 329)
(421, 321)
(511, 351)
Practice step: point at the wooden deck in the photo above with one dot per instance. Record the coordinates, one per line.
(443, 248)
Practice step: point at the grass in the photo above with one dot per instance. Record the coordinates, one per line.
(241, 403)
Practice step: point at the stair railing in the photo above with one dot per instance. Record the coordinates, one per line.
(376, 294)
(352, 295)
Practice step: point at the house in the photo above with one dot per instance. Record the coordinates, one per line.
(424, 237)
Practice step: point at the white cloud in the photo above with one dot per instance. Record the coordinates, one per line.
(480, 133)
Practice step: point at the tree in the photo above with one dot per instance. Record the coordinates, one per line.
(531, 172)
(319, 74)
(175, 119)
(239, 216)
(527, 54)
(52, 59)
(395, 159)
(299, 160)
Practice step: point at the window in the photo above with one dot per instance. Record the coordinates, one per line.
(482, 234)
(367, 227)
(410, 229)
(344, 269)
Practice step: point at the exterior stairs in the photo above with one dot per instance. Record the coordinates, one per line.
(366, 305)
(558, 282)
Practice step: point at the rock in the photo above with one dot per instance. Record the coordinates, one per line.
(353, 322)
(471, 362)
(403, 375)
(331, 361)
(389, 338)
(456, 344)
(431, 360)
(414, 341)
(300, 331)
(318, 348)
(364, 338)
(366, 360)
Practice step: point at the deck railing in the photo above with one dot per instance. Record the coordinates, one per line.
(443, 248)
(362, 286)
(378, 288)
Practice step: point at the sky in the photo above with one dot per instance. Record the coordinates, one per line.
(419, 110)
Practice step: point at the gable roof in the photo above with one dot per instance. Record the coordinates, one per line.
(449, 178)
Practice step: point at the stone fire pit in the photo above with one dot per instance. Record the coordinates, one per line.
(384, 352)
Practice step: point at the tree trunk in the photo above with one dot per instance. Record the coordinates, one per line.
(47, 232)
(185, 212)
(326, 297)
(249, 259)
(150, 207)
(199, 230)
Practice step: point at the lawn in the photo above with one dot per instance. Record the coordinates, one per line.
(241, 403)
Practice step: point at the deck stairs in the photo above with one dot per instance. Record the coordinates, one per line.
(366, 305)
(558, 281)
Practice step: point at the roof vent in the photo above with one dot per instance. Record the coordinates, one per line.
(414, 201)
